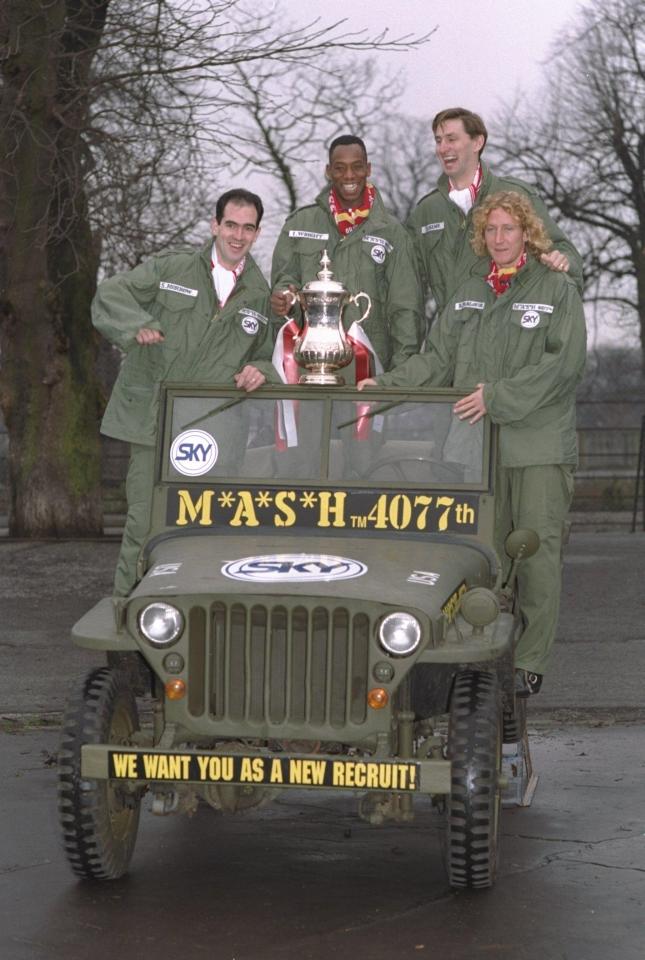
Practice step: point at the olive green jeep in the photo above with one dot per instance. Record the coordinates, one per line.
(320, 607)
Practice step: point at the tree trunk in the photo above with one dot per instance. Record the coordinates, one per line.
(48, 386)
(640, 297)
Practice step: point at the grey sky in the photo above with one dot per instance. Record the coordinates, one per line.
(482, 53)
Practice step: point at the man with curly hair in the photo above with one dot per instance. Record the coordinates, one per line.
(441, 222)
(514, 336)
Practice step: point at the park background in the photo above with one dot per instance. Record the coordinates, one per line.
(119, 127)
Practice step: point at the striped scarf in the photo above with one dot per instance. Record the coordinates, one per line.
(499, 278)
(348, 220)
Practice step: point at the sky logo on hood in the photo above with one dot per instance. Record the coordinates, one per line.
(293, 568)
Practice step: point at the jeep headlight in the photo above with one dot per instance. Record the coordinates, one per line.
(161, 624)
(399, 634)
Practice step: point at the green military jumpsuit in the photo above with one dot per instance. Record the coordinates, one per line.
(442, 234)
(528, 347)
(203, 343)
(376, 258)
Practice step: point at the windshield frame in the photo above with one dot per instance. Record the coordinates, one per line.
(387, 399)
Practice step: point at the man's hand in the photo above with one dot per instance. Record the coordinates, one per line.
(472, 407)
(369, 382)
(555, 261)
(249, 378)
(283, 300)
(146, 336)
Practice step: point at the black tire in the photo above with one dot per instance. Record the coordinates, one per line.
(137, 671)
(99, 818)
(474, 803)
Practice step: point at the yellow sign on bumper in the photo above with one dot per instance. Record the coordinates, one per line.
(348, 773)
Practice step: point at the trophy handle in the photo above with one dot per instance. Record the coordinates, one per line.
(291, 297)
(356, 297)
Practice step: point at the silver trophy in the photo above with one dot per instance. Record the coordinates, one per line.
(322, 347)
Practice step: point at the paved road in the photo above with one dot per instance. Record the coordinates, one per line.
(303, 878)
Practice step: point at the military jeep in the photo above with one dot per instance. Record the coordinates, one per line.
(319, 607)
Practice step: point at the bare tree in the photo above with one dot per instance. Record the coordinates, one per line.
(586, 148)
(104, 108)
(405, 160)
(287, 116)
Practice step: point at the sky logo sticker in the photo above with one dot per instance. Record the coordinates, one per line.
(193, 453)
(293, 568)
(250, 325)
(530, 319)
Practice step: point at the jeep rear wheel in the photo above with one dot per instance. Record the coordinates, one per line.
(473, 808)
(99, 818)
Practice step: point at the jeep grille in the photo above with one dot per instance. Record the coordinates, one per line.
(271, 665)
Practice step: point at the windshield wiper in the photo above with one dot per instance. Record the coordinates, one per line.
(216, 410)
(373, 413)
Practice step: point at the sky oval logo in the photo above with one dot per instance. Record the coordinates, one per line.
(530, 319)
(193, 453)
(293, 568)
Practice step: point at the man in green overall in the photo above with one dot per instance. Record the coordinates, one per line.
(513, 334)
(441, 222)
(370, 252)
(197, 316)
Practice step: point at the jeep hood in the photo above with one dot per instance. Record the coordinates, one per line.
(390, 570)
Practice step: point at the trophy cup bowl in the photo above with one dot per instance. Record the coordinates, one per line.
(323, 348)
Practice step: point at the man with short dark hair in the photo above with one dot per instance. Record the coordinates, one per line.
(199, 316)
(370, 251)
(441, 222)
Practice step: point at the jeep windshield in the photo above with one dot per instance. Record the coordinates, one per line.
(322, 438)
(290, 460)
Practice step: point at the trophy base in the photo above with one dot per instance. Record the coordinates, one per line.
(323, 379)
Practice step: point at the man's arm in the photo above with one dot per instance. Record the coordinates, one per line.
(413, 226)
(285, 273)
(120, 309)
(436, 366)
(404, 306)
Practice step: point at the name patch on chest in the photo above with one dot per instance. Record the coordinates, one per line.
(540, 307)
(177, 288)
(433, 227)
(381, 241)
(470, 305)
(308, 235)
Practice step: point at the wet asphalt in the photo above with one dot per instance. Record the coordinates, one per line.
(303, 877)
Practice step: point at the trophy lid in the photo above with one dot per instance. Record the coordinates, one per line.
(324, 284)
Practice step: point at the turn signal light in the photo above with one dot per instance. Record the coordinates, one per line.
(377, 698)
(175, 689)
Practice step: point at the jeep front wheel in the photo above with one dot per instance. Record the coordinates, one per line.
(473, 808)
(99, 818)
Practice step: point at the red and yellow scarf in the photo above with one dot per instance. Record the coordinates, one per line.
(348, 219)
(499, 278)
